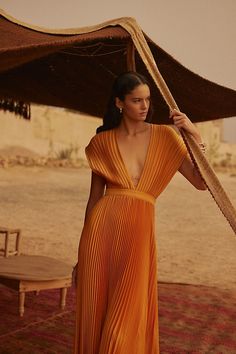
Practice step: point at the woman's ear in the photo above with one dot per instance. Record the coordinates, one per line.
(119, 103)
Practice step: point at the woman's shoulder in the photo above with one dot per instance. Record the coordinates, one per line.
(161, 128)
(99, 138)
(168, 135)
(165, 129)
(101, 135)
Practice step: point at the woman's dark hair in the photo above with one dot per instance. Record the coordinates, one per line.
(123, 85)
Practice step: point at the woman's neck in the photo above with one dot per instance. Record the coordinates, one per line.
(132, 127)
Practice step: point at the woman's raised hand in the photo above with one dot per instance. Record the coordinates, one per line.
(181, 120)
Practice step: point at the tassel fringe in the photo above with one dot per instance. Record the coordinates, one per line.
(18, 107)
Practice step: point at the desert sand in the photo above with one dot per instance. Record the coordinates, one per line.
(195, 243)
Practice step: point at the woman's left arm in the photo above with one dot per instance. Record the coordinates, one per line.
(187, 168)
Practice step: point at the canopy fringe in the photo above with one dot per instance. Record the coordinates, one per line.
(20, 108)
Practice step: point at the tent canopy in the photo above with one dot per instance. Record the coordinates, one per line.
(76, 71)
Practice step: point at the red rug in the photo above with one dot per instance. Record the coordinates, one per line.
(193, 320)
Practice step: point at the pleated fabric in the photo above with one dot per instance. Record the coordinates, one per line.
(117, 300)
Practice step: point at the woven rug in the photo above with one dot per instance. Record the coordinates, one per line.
(193, 319)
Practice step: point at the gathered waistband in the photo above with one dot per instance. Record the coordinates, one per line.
(132, 193)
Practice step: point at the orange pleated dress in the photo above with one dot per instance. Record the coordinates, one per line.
(117, 299)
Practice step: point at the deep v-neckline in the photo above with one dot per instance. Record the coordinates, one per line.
(123, 163)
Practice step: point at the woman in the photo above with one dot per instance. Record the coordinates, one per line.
(132, 161)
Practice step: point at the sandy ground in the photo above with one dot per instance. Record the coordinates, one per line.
(195, 243)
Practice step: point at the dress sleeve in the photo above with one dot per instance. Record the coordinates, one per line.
(175, 148)
(94, 156)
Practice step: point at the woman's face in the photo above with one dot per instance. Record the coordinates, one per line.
(136, 104)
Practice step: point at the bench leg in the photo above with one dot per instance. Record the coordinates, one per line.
(21, 303)
(63, 298)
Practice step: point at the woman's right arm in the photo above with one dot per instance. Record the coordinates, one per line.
(96, 192)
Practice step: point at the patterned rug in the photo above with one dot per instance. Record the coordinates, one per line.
(193, 320)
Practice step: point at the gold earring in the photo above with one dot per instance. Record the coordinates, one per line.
(121, 110)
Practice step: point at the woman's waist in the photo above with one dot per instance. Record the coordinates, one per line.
(134, 193)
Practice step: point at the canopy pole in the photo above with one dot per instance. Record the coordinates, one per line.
(131, 65)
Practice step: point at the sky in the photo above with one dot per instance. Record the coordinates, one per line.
(201, 34)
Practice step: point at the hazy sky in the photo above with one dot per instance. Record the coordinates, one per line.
(201, 34)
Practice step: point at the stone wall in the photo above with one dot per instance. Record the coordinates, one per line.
(219, 152)
(51, 132)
